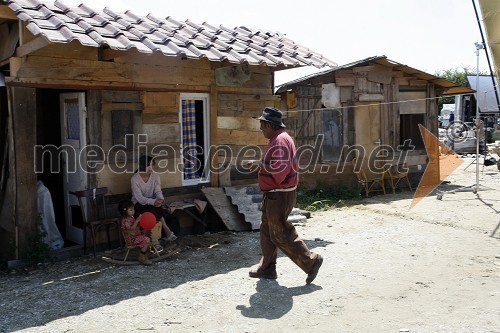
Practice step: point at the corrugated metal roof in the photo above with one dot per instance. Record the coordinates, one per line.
(60, 23)
(450, 88)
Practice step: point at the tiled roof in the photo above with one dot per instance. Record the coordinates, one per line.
(60, 23)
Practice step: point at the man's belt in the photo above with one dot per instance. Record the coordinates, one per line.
(288, 189)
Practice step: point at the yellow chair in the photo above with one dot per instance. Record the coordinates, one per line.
(370, 180)
(396, 174)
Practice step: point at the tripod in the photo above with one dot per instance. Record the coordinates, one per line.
(475, 187)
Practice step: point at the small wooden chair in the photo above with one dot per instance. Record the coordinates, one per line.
(129, 245)
(369, 180)
(94, 216)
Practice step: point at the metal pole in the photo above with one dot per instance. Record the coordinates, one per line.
(478, 47)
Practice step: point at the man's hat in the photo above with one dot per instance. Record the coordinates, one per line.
(273, 116)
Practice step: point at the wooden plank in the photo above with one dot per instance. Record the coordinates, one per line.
(162, 133)
(238, 123)
(380, 74)
(7, 13)
(26, 214)
(108, 107)
(238, 137)
(72, 50)
(32, 46)
(403, 81)
(360, 69)
(371, 97)
(345, 94)
(416, 82)
(344, 81)
(291, 99)
(242, 105)
(160, 118)
(88, 70)
(228, 212)
(246, 97)
(121, 96)
(158, 100)
(343, 73)
(8, 174)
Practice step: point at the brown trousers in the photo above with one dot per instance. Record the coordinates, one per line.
(276, 233)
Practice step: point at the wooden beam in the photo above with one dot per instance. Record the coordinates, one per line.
(6, 13)
(32, 46)
(23, 112)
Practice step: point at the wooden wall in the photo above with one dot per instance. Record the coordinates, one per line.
(139, 94)
(368, 85)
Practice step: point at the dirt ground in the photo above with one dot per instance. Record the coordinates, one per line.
(434, 268)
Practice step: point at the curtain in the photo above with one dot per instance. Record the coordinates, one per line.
(189, 150)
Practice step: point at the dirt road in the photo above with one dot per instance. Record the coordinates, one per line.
(434, 268)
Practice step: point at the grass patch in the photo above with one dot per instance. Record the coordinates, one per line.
(327, 197)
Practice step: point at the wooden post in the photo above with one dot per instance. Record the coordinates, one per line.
(24, 134)
(94, 126)
(214, 109)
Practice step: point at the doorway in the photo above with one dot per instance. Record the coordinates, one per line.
(73, 141)
(195, 138)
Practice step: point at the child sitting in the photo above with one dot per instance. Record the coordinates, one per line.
(131, 229)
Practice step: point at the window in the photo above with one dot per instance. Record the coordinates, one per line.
(409, 130)
(332, 128)
(412, 110)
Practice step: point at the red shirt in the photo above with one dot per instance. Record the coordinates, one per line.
(279, 165)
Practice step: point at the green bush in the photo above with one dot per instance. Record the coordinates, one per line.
(326, 197)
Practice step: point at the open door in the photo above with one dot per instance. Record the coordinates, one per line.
(73, 140)
(195, 135)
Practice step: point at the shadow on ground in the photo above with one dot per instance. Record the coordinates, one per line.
(273, 301)
(52, 291)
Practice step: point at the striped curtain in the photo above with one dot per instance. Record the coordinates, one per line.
(189, 150)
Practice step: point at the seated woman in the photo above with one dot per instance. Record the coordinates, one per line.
(148, 197)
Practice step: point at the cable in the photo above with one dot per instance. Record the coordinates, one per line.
(374, 104)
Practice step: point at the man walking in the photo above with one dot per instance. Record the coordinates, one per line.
(278, 179)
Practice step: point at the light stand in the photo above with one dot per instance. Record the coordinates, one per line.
(479, 46)
(475, 188)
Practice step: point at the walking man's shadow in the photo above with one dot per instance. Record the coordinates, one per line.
(271, 300)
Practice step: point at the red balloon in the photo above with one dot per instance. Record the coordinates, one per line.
(148, 221)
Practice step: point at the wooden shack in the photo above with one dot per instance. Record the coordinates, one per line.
(371, 104)
(85, 92)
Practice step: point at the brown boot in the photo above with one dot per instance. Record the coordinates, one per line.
(314, 271)
(143, 259)
(255, 273)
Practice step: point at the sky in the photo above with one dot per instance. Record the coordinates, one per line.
(428, 35)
